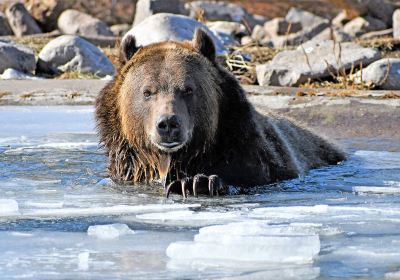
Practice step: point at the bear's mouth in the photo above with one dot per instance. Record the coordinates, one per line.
(169, 146)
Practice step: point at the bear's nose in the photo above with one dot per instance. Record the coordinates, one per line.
(169, 125)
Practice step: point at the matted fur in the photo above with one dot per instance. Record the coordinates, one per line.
(230, 138)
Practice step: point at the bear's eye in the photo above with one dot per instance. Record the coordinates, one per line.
(147, 93)
(188, 91)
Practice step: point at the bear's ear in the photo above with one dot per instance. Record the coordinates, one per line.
(204, 44)
(128, 49)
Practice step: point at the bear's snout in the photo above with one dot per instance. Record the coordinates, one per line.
(169, 127)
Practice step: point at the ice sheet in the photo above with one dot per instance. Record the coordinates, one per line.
(8, 207)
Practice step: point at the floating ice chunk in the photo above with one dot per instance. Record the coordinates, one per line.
(271, 249)
(288, 212)
(392, 183)
(188, 215)
(8, 207)
(250, 241)
(111, 231)
(21, 234)
(376, 190)
(379, 159)
(99, 211)
(57, 204)
(83, 261)
(68, 145)
(392, 275)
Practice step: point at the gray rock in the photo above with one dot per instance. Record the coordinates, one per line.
(332, 33)
(221, 11)
(5, 29)
(306, 34)
(229, 33)
(169, 27)
(147, 8)
(306, 19)
(384, 73)
(312, 25)
(381, 9)
(246, 40)
(341, 19)
(12, 74)
(360, 26)
(21, 22)
(312, 61)
(396, 24)
(280, 26)
(72, 53)
(77, 23)
(16, 56)
(120, 29)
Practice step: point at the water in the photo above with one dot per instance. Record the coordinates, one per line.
(341, 221)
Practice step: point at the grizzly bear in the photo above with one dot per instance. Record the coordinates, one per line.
(173, 114)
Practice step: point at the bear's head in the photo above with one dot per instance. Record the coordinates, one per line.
(169, 96)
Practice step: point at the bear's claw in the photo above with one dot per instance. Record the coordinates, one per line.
(199, 184)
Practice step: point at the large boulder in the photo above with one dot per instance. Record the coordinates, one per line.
(21, 22)
(221, 11)
(16, 56)
(312, 61)
(5, 29)
(72, 53)
(146, 8)
(362, 25)
(384, 73)
(12, 74)
(77, 23)
(169, 27)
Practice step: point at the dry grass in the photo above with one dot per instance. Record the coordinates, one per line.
(4, 93)
(243, 60)
(76, 75)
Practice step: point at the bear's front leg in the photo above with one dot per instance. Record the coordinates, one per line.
(199, 184)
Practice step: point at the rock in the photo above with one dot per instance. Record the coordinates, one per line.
(246, 40)
(396, 24)
(332, 33)
(231, 28)
(341, 19)
(312, 61)
(298, 38)
(384, 73)
(147, 8)
(120, 29)
(229, 33)
(378, 34)
(306, 19)
(311, 24)
(169, 27)
(21, 22)
(259, 33)
(16, 56)
(5, 29)
(72, 53)
(46, 12)
(12, 74)
(280, 26)
(77, 23)
(221, 11)
(382, 10)
(359, 26)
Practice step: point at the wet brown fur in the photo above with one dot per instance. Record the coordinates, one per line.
(244, 147)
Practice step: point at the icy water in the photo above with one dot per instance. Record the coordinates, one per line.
(61, 218)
